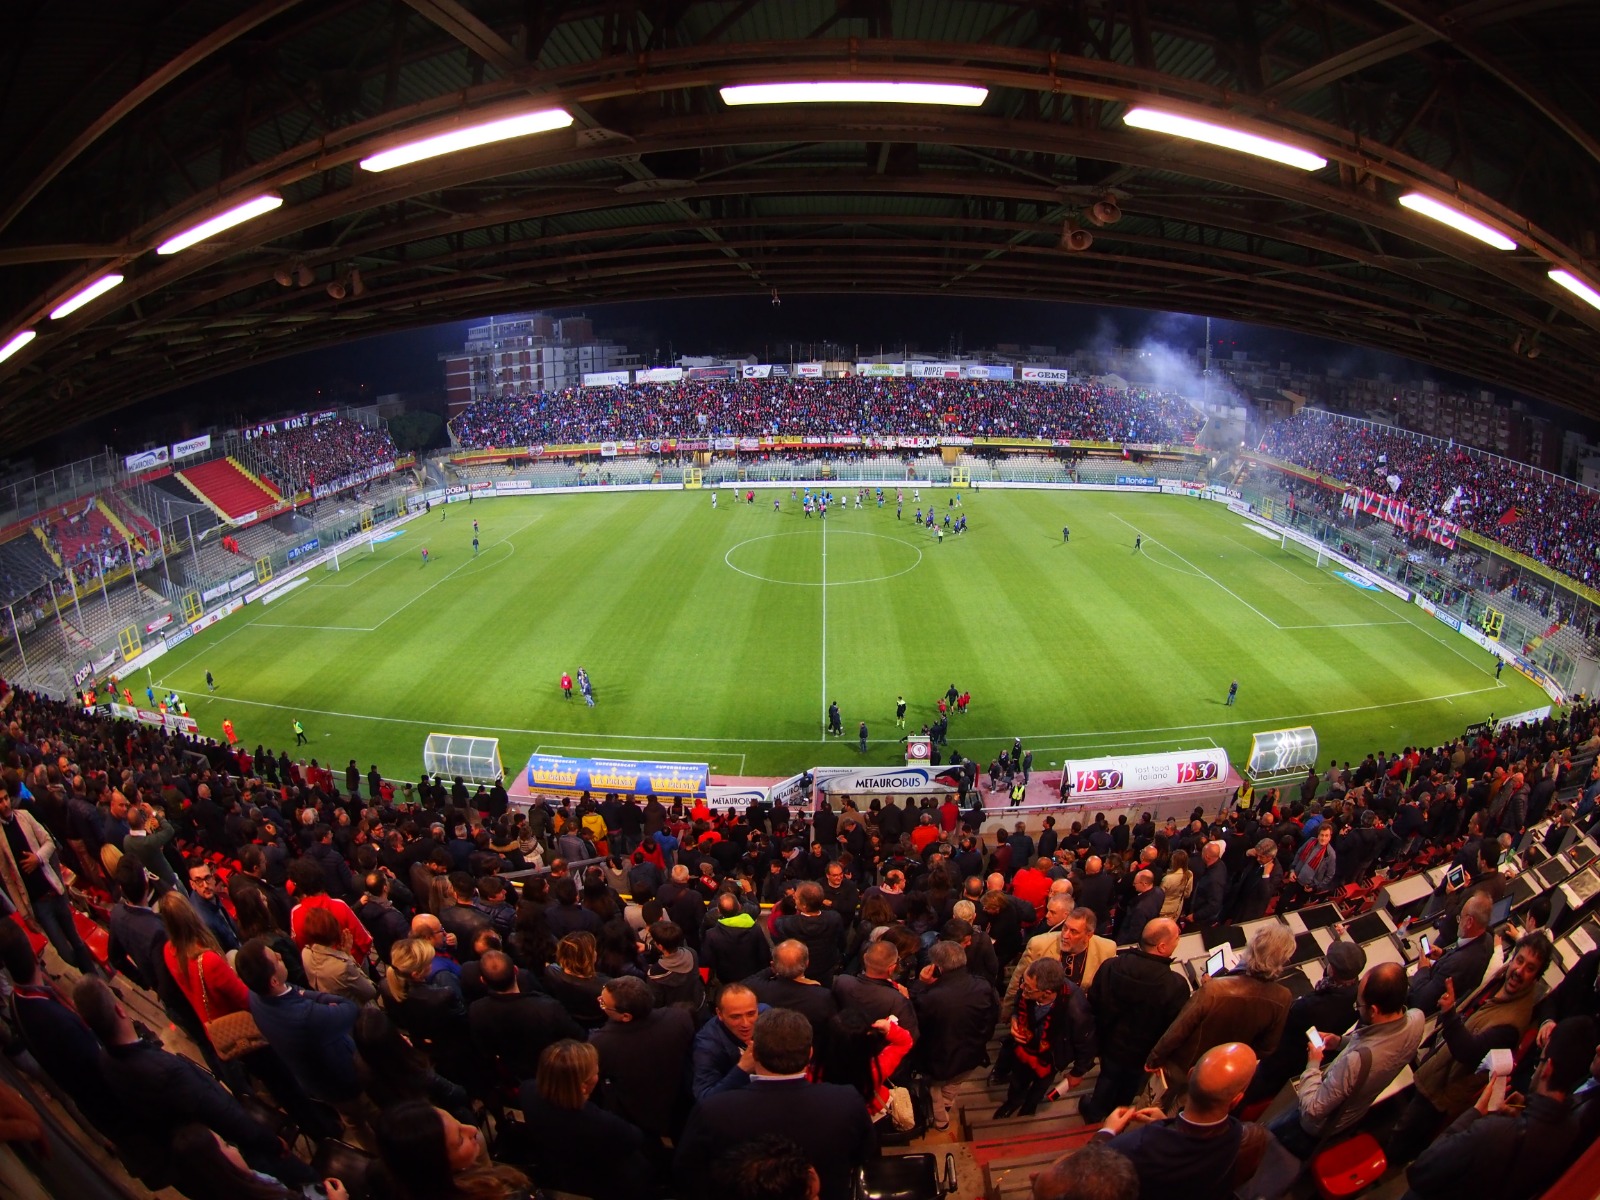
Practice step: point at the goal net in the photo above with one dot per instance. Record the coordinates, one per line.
(1313, 556)
(331, 563)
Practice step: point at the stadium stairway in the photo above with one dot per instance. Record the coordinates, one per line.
(228, 489)
(44, 541)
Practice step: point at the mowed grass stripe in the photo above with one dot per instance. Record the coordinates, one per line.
(1086, 641)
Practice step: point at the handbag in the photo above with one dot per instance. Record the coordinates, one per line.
(234, 1035)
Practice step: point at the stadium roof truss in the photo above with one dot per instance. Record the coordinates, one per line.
(125, 121)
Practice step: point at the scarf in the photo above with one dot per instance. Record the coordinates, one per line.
(1035, 1018)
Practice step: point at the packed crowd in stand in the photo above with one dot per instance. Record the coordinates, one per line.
(1553, 520)
(322, 455)
(635, 1020)
(865, 407)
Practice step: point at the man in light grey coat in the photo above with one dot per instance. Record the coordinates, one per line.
(1385, 1039)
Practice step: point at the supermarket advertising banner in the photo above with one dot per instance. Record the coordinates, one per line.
(548, 772)
(1147, 772)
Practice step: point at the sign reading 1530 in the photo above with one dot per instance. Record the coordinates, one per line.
(1196, 772)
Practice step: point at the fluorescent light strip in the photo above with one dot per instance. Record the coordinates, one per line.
(78, 299)
(1223, 136)
(1457, 220)
(16, 343)
(849, 91)
(237, 215)
(1566, 279)
(468, 137)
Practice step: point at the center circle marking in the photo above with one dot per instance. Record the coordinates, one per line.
(832, 582)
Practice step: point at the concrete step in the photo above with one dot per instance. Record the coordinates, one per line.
(1008, 1171)
(1055, 1116)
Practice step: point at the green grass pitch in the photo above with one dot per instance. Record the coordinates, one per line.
(711, 636)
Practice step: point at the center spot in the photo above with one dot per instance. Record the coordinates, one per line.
(795, 559)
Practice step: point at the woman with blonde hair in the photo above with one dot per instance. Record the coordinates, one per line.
(430, 1010)
(1178, 884)
(578, 1147)
(573, 980)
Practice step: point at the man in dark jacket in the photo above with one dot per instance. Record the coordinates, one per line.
(1210, 887)
(1465, 963)
(512, 1027)
(956, 1012)
(683, 903)
(1146, 907)
(874, 991)
(169, 1091)
(719, 1063)
(827, 1120)
(734, 946)
(644, 1057)
(462, 918)
(310, 1031)
(840, 895)
(787, 984)
(821, 929)
(1095, 889)
(1513, 1154)
(1051, 1031)
(1135, 997)
(377, 912)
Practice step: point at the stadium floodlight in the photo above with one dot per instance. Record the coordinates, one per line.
(1566, 279)
(468, 137)
(1224, 136)
(85, 294)
(853, 91)
(227, 219)
(1427, 206)
(16, 343)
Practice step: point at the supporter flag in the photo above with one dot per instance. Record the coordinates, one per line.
(1510, 517)
(1394, 482)
(1450, 502)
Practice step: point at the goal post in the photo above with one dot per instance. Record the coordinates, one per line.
(1313, 555)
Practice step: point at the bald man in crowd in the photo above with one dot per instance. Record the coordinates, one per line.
(1204, 1152)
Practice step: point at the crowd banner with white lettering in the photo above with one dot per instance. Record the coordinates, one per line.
(195, 445)
(1282, 751)
(658, 375)
(552, 773)
(1398, 513)
(892, 781)
(1146, 772)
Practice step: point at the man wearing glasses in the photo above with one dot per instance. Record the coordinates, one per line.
(203, 894)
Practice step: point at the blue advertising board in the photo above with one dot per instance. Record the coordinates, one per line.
(549, 772)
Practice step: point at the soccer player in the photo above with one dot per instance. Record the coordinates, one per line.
(1233, 692)
(940, 536)
(835, 723)
(586, 687)
(150, 693)
(952, 694)
(1066, 535)
(444, 511)
(566, 685)
(917, 516)
(1500, 665)
(899, 509)
(863, 734)
(900, 712)
(474, 545)
(713, 499)
(299, 733)
(474, 525)
(1138, 542)
(424, 556)
(211, 684)
(776, 505)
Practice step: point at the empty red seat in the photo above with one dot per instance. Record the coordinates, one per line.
(1348, 1168)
